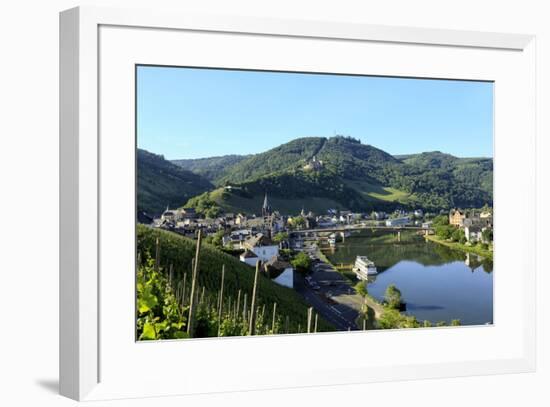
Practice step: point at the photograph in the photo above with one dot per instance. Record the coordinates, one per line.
(275, 202)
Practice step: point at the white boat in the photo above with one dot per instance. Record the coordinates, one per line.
(364, 267)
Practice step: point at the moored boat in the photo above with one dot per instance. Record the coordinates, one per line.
(364, 267)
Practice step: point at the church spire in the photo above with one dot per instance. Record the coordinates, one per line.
(266, 207)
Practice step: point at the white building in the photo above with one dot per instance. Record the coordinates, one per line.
(473, 233)
(398, 221)
(266, 252)
(286, 278)
(280, 272)
(427, 225)
(261, 246)
(379, 215)
(249, 257)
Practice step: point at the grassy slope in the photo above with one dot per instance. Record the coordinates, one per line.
(488, 254)
(178, 251)
(235, 203)
(375, 192)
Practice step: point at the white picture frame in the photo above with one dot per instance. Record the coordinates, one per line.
(96, 45)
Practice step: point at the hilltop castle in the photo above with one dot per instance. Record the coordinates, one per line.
(314, 164)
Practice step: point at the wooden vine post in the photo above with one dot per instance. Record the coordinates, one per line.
(157, 255)
(252, 325)
(244, 308)
(309, 315)
(316, 321)
(171, 276)
(273, 319)
(238, 304)
(221, 301)
(193, 285)
(183, 289)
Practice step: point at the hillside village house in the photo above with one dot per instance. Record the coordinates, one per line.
(280, 271)
(249, 257)
(175, 215)
(473, 233)
(462, 218)
(379, 215)
(236, 237)
(261, 246)
(473, 222)
(240, 219)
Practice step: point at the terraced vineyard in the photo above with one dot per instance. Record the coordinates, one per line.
(165, 274)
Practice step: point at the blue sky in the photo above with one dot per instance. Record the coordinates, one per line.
(193, 113)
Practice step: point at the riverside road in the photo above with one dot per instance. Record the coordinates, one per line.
(330, 294)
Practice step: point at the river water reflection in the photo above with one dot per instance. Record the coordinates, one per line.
(437, 283)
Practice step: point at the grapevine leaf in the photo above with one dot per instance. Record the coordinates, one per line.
(148, 331)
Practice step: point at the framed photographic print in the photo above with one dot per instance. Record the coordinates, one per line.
(278, 203)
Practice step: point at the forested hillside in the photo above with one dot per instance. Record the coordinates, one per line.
(161, 183)
(350, 175)
(211, 168)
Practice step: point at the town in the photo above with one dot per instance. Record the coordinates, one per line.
(279, 241)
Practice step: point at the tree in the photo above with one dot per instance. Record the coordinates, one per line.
(440, 220)
(487, 235)
(393, 296)
(444, 231)
(216, 239)
(457, 235)
(301, 262)
(455, 322)
(391, 318)
(361, 288)
(298, 222)
(279, 237)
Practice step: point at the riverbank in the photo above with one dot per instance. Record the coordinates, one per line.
(357, 301)
(346, 272)
(488, 254)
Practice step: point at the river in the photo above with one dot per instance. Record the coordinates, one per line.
(436, 282)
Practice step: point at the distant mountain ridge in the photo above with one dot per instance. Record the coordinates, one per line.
(211, 167)
(161, 183)
(320, 173)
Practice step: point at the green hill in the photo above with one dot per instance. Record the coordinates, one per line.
(347, 175)
(161, 183)
(212, 168)
(178, 252)
(286, 157)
